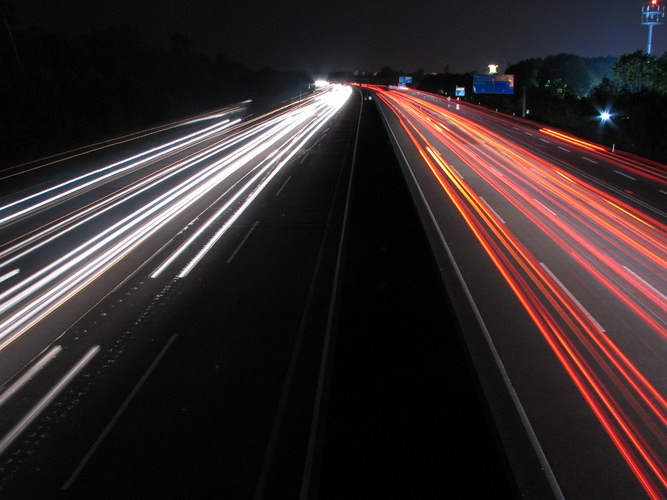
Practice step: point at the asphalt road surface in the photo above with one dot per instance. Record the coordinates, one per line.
(205, 260)
(559, 245)
(396, 298)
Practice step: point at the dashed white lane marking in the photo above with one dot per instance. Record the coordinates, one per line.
(624, 175)
(589, 160)
(242, 242)
(492, 210)
(459, 173)
(545, 207)
(645, 282)
(120, 411)
(283, 186)
(590, 316)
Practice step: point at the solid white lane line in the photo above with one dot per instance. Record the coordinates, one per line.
(27, 376)
(46, 400)
(324, 376)
(117, 415)
(242, 242)
(287, 384)
(624, 175)
(525, 422)
(574, 299)
(283, 186)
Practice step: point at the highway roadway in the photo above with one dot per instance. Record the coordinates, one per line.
(216, 237)
(167, 300)
(554, 252)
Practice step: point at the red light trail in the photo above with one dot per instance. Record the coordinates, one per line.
(609, 242)
(572, 140)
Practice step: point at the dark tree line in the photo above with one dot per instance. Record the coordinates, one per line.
(636, 93)
(59, 91)
(570, 92)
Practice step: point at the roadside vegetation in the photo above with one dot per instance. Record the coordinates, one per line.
(571, 92)
(60, 91)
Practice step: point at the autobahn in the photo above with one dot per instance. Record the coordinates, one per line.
(54, 246)
(101, 252)
(556, 249)
(170, 302)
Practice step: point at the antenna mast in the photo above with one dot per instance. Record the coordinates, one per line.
(652, 15)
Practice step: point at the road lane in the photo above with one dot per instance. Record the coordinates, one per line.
(74, 231)
(128, 313)
(596, 164)
(568, 278)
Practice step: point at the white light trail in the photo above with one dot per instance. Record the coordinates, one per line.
(302, 137)
(162, 150)
(8, 275)
(166, 192)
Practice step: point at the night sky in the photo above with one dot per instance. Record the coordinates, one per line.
(317, 35)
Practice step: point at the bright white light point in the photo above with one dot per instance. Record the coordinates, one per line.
(604, 116)
(321, 83)
(493, 68)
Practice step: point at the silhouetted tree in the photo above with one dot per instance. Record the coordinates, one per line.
(638, 72)
(74, 90)
(526, 72)
(565, 74)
